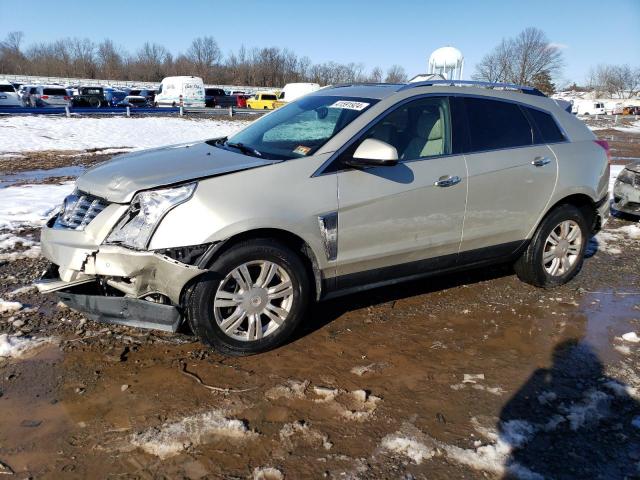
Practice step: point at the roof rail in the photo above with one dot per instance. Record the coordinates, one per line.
(473, 83)
(365, 84)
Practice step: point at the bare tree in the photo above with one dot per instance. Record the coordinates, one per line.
(521, 59)
(619, 81)
(266, 66)
(396, 74)
(109, 61)
(376, 75)
(204, 53)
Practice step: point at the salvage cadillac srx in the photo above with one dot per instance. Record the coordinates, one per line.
(347, 188)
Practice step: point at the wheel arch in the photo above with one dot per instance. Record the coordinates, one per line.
(296, 243)
(582, 202)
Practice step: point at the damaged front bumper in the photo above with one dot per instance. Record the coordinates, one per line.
(145, 287)
(626, 198)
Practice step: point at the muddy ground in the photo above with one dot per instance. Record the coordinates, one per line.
(475, 375)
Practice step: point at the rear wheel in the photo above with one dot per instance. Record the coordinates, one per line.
(556, 252)
(253, 299)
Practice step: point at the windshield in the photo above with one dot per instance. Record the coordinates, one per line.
(300, 128)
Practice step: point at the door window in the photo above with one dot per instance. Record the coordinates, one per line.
(547, 126)
(418, 129)
(494, 124)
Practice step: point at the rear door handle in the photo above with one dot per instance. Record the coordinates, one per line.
(447, 181)
(541, 161)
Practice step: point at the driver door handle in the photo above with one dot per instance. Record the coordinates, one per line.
(447, 181)
(541, 161)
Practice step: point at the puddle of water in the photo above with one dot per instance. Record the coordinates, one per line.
(609, 315)
(37, 175)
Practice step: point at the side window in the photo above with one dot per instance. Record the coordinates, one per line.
(547, 126)
(494, 124)
(418, 129)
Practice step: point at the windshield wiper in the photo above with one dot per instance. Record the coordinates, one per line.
(244, 148)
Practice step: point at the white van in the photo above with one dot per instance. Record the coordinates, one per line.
(292, 91)
(8, 95)
(588, 107)
(176, 91)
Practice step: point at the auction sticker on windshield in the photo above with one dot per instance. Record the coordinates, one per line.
(302, 150)
(349, 105)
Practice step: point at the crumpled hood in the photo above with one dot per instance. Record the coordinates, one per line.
(121, 177)
(634, 167)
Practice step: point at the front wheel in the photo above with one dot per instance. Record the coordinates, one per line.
(253, 299)
(556, 252)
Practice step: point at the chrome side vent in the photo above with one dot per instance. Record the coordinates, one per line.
(329, 231)
(78, 210)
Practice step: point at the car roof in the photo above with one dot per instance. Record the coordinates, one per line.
(384, 90)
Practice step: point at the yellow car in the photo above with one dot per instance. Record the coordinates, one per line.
(262, 101)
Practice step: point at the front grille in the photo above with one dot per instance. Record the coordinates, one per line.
(78, 210)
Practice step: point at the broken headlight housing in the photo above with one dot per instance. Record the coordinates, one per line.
(147, 208)
(626, 176)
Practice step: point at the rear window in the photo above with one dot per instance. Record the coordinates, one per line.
(494, 125)
(134, 92)
(6, 88)
(268, 97)
(54, 91)
(547, 126)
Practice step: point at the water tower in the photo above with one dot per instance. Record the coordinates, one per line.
(448, 62)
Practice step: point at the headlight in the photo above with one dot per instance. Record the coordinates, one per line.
(145, 212)
(626, 176)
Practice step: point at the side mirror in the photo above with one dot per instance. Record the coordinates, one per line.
(374, 153)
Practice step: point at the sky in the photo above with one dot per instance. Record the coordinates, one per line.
(375, 33)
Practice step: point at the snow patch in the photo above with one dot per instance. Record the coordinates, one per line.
(267, 473)
(409, 447)
(291, 389)
(631, 337)
(21, 291)
(594, 408)
(172, 438)
(8, 307)
(30, 205)
(40, 133)
(15, 347)
(302, 430)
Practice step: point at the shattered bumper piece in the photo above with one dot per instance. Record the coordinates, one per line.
(127, 311)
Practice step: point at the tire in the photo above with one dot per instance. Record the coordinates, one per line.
(266, 108)
(537, 263)
(94, 103)
(205, 313)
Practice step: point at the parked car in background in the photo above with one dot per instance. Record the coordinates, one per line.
(626, 190)
(146, 93)
(344, 189)
(262, 101)
(90, 96)
(631, 110)
(134, 101)
(50, 96)
(8, 95)
(293, 91)
(588, 107)
(25, 93)
(113, 96)
(176, 91)
(218, 98)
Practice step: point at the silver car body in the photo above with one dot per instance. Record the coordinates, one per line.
(626, 190)
(360, 228)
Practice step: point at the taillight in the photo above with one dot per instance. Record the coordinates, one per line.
(44, 97)
(66, 97)
(604, 144)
